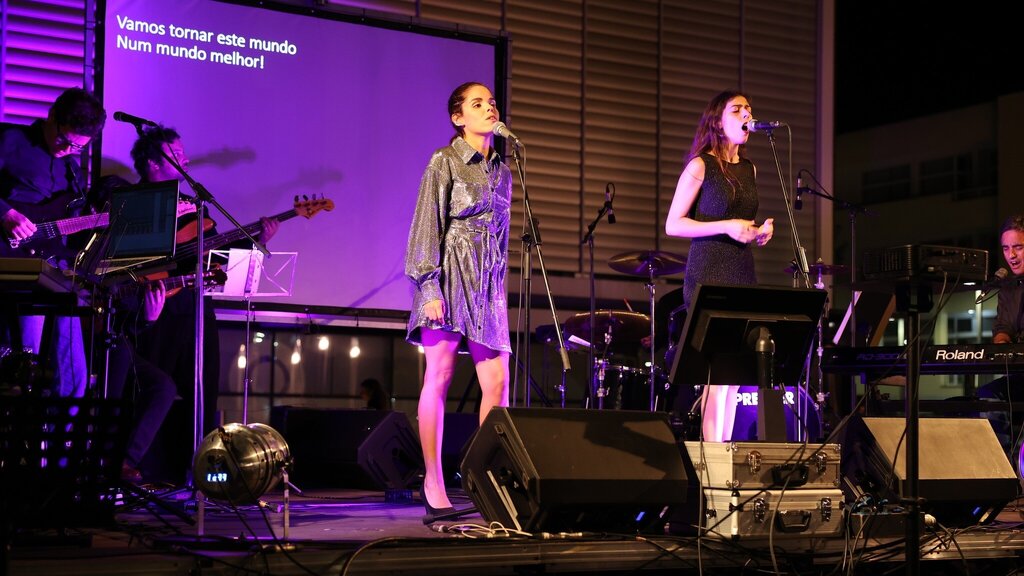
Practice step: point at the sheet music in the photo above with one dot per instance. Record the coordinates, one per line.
(250, 274)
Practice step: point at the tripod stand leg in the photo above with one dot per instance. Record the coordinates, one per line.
(287, 502)
(151, 500)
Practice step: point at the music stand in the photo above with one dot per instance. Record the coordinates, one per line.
(872, 309)
(743, 334)
(250, 276)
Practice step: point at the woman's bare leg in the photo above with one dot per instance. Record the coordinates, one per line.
(718, 412)
(441, 350)
(492, 371)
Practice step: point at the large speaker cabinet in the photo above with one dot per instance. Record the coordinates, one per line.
(964, 476)
(542, 469)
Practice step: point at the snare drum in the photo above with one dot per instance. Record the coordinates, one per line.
(796, 400)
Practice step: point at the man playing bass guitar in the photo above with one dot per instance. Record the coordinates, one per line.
(169, 343)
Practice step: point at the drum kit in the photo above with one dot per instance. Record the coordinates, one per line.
(619, 383)
(618, 337)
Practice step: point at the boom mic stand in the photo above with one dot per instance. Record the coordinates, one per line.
(799, 253)
(588, 239)
(802, 271)
(853, 209)
(533, 238)
(202, 197)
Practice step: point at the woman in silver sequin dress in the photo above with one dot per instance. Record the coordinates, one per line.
(457, 258)
(715, 204)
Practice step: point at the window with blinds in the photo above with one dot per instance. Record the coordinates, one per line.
(42, 53)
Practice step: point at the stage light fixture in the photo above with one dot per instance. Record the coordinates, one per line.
(323, 343)
(354, 351)
(238, 463)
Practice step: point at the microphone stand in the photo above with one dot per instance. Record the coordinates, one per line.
(530, 239)
(800, 254)
(202, 197)
(588, 239)
(853, 209)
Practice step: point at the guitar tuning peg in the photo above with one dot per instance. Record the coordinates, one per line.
(306, 198)
(296, 199)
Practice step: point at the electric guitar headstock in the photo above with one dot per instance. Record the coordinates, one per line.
(214, 277)
(307, 207)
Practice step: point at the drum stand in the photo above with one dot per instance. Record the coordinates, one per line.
(650, 375)
(599, 390)
(804, 401)
(649, 264)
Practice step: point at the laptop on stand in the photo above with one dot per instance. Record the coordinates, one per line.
(143, 225)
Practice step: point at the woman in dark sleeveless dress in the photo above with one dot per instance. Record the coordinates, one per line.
(715, 204)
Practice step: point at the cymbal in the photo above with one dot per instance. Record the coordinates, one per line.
(821, 268)
(626, 327)
(546, 334)
(646, 262)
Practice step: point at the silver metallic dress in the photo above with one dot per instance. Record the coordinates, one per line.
(458, 246)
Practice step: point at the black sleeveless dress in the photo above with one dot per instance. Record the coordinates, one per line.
(720, 259)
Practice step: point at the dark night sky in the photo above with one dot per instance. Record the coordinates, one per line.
(900, 60)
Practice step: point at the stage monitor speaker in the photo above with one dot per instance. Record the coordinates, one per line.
(336, 448)
(964, 476)
(459, 427)
(553, 470)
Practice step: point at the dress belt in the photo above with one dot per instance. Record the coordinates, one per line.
(490, 259)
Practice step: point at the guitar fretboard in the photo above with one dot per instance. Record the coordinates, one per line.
(214, 242)
(67, 226)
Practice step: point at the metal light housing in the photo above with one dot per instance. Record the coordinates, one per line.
(238, 463)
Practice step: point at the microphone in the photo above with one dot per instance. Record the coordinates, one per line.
(758, 126)
(798, 202)
(608, 202)
(501, 130)
(764, 348)
(133, 120)
(993, 284)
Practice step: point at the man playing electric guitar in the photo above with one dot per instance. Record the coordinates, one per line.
(40, 180)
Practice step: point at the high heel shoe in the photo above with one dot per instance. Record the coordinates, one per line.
(434, 514)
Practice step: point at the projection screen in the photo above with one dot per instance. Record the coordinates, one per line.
(280, 101)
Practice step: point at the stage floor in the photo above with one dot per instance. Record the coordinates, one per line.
(357, 532)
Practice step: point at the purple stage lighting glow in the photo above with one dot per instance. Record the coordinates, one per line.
(272, 104)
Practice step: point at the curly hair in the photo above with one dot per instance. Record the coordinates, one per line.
(149, 147)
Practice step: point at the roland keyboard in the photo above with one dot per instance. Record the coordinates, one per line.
(937, 359)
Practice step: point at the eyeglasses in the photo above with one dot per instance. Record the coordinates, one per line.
(64, 143)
